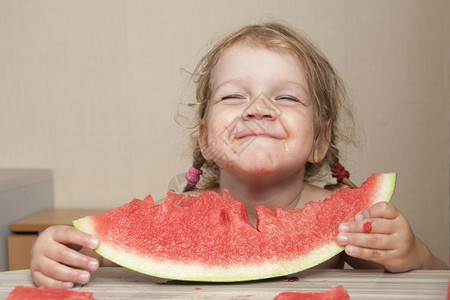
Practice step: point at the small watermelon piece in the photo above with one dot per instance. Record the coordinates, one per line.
(336, 293)
(367, 227)
(46, 293)
(209, 238)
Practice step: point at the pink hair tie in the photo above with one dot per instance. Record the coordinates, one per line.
(193, 176)
(339, 172)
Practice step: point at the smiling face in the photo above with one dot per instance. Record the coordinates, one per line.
(260, 118)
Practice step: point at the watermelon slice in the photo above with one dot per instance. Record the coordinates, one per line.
(209, 238)
(46, 293)
(336, 293)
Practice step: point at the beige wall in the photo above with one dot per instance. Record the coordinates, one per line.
(90, 88)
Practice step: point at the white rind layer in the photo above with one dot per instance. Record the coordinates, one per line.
(388, 181)
(250, 271)
(196, 272)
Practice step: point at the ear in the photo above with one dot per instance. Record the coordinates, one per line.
(319, 150)
(203, 141)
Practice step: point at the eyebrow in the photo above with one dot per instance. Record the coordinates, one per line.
(239, 80)
(231, 81)
(295, 83)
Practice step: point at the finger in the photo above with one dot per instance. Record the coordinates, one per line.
(374, 255)
(379, 210)
(369, 241)
(368, 226)
(69, 235)
(42, 280)
(57, 274)
(65, 255)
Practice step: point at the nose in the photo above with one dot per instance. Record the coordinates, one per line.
(261, 107)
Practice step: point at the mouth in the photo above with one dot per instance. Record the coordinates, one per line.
(241, 130)
(256, 135)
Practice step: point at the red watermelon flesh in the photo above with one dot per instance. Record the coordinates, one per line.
(209, 238)
(336, 293)
(367, 227)
(46, 293)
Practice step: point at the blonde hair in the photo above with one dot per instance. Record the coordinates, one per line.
(327, 90)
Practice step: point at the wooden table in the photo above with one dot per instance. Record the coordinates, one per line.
(121, 283)
(25, 232)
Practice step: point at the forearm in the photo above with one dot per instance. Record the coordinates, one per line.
(428, 260)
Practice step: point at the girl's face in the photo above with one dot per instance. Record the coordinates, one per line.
(260, 118)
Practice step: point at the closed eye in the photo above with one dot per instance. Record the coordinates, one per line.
(233, 96)
(232, 99)
(289, 98)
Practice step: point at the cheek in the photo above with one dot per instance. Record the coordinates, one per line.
(218, 123)
(215, 130)
(300, 132)
(300, 123)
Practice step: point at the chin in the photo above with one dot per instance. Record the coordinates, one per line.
(254, 169)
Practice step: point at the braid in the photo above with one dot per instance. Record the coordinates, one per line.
(341, 175)
(198, 163)
(338, 172)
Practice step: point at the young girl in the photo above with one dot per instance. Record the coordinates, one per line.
(268, 103)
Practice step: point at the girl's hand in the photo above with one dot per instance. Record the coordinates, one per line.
(54, 254)
(389, 242)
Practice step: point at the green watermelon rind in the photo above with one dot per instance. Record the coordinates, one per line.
(243, 272)
(388, 183)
